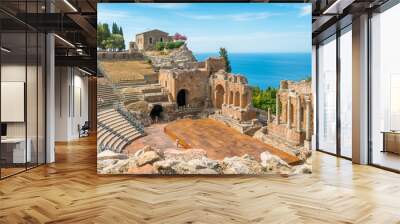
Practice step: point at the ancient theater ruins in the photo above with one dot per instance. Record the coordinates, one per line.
(164, 112)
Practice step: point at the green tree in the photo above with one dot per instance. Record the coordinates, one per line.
(100, 36)
(115, 42)
(224, 54)
(264, 99)
(105, 36)
(122, 34)
(115, 28)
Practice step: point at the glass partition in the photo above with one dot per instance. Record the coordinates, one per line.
(22, 77)
(326, 104)
(13, 94)
(346, 93)
(385, 89)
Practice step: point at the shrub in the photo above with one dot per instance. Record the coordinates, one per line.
(170, 45)
(178, 44)
(160, 46)
(264, 99)
(174, 45)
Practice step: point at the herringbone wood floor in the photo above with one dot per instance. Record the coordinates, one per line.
(70, 191)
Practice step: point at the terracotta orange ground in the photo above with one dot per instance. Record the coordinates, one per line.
(155, 137)
(219, 140)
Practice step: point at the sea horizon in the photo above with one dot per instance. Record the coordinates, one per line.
(267, 69)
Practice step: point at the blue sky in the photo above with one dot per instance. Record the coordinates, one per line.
(239, 27)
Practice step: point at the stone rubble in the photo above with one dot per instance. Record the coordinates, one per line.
(149, 160)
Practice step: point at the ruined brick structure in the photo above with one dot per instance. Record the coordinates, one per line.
(209, 85)
(232, 95)
(293, 121)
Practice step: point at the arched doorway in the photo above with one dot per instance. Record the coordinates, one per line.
(219, 96)
(181, 97)
(156, 111)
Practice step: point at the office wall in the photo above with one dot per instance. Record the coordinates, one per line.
(71, 102)
(12, 73)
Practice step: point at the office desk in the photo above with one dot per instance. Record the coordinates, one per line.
(13, 150)
(391, 141)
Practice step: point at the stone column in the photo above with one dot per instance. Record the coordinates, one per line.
(308, 119)
(277, 109)
(289, 111)
(298, 113)
(269, 115)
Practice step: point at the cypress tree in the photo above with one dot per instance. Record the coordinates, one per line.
(224, 54)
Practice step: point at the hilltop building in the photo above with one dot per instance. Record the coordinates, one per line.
(147, 40)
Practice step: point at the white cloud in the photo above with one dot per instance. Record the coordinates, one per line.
(247, 16)
(251, 16)
(305, 10)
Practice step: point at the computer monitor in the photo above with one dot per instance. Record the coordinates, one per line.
(3, 129)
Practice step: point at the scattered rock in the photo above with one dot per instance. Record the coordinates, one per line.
(184, 168)
(185, 155)
(274, 164)
(119, 167)
(108, 154)
(101, 164)
(165, 166)
(147, 148)
(146, 169)
(204, 163)
(147, 158)
(241, 165)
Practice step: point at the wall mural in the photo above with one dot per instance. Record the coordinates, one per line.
(204, 89)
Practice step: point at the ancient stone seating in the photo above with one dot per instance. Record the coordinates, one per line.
(131, 83)
(147, 92)
(132, 97)
(115, 131)
(105, 95)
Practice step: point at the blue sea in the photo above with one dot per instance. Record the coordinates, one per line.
(267, 69)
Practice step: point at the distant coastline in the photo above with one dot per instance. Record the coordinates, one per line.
(267, 69)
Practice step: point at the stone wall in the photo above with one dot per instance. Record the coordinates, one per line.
(294, 113)
(193, 81)
(301, 87)
(213, 65)
(232, 94)
(124, 55)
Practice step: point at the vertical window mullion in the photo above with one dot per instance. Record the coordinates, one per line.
(338, 80)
